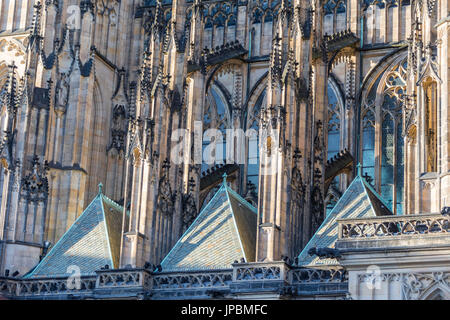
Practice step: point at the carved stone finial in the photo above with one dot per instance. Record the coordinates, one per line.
(224, 178)
(359, 169)
(100, 188)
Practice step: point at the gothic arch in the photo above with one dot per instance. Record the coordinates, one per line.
(436, 292)
(376, 70)
(381, 146)
(344, 55)
(335, 16)
(98, 134)
(231, 66)
(255, 93)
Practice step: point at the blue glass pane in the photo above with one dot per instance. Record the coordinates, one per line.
(387, 161)
(386, 191)
(254, 180)
(219, 103)
(390, 102)
(334, 137)
(400, 170)
(332, 98)
(341, 8)
(368, 143)
(333, 144)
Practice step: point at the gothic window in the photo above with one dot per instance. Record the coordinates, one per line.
(383, 151)
(335, 16)
(253, 143)
(220, 23)
(262, 14)
(334, 123)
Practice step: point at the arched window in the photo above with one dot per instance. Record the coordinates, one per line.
(383, 151)
(216, 116)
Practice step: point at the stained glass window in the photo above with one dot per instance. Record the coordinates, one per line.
(389, 181)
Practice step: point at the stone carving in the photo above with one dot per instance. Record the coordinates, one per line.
(309, 275)
(318, 142)
(297, 184)
(264, 271)
(430, 5)
(328, 253)
(317, 208)
(189, 205)
(123, 278)
(62, 94)
(421, 285)
(35, 183)
(118, 133)
(166, 198)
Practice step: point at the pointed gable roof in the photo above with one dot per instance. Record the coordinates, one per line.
(92, 242)
(223, 232)
(359, 201)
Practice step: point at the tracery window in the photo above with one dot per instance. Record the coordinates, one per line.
(383, 149)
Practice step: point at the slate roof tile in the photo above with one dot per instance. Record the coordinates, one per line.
(358, 201)
(224, 231)
(92, 242)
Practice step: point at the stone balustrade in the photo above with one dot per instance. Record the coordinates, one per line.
(42, 287)
(260, 271)
(189, 280)
(326, 275)
(140, 283)
(125, 278)
(393, 226)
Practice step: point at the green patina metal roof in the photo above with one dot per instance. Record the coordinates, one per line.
(223, 232)
(359, 201)
(92, 242)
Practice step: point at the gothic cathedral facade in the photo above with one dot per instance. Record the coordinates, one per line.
(95, 92)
